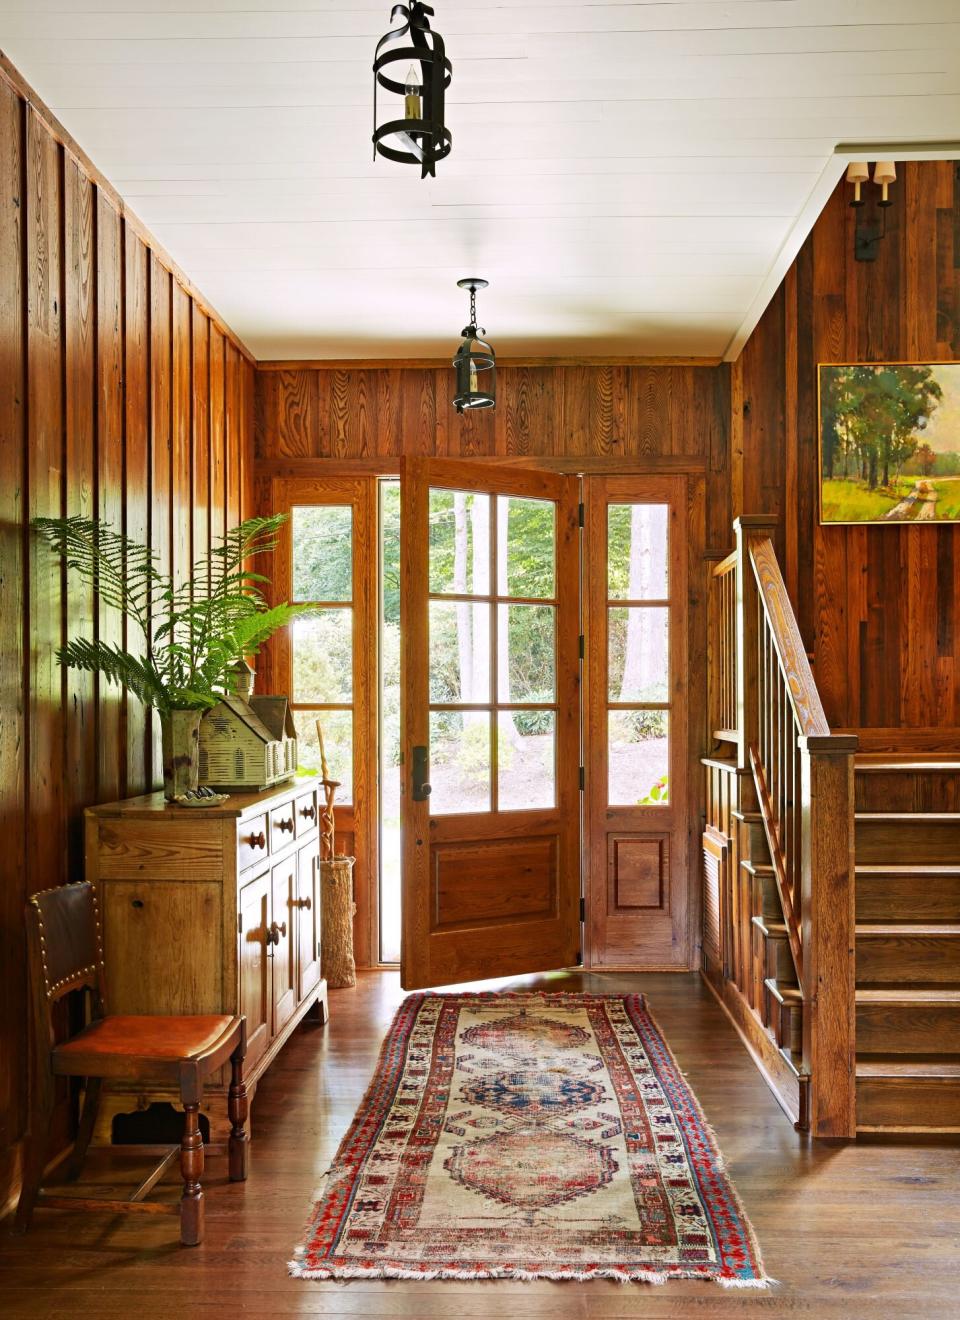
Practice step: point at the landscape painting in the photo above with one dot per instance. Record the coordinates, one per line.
(890, 443)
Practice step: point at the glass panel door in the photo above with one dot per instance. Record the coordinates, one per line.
(491, 714)
(322, 642)
(636, 727)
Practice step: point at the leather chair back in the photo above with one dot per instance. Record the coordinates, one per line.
(66, 950)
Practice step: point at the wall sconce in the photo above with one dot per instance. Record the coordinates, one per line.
(866, 237)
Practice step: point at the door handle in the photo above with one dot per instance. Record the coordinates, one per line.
(421, 768)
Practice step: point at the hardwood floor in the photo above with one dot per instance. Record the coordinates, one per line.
(862, 1231)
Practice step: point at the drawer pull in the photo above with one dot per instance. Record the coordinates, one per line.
(304, 904)
(309, 813)
(257, 840)
(285, 824)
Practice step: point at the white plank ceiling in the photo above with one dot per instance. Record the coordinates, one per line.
(625, 174)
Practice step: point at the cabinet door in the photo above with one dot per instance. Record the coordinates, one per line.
(283, 949)
(308, 920)
(255, 965)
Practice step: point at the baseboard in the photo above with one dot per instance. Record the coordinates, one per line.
(770, 1063)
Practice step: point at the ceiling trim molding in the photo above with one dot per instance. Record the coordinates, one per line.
(831, 174)
(436, 364)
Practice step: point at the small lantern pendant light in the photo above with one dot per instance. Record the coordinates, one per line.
(473, 357)
(420, 137)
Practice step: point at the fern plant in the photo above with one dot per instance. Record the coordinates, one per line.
(184, 639)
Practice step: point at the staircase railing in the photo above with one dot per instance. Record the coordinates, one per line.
(799, 777)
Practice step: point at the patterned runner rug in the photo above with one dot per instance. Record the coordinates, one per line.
(528, 1136)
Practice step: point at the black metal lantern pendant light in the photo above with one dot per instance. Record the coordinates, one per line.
(420, 137)
(475, 363)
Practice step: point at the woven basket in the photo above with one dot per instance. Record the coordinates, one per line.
(336, 930)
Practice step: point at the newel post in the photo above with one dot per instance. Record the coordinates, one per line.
(828, 932)
(748, 659)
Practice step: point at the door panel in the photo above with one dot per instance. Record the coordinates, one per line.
(254, 900)
(635, 732)
(308, 920)
(283, 949)
(490, 664)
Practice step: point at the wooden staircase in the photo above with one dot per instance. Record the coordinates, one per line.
(831, 878)
(908, 943)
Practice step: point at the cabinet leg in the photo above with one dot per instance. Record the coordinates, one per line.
(191, 1168)
(320, 1008)
(238, 1107)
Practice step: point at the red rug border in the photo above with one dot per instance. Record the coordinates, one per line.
(385, 1077)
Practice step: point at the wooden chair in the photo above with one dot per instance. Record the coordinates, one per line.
(65, 953)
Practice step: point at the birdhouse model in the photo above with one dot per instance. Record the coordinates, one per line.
(247, 743)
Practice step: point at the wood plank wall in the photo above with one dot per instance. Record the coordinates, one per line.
(668, 416)
(121, 395)
(878, 606)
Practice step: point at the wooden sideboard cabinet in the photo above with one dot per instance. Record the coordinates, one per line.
(210, 910)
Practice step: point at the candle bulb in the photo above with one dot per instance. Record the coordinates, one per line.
(412, 89)
(474, 384)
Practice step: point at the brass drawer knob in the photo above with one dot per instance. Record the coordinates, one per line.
(257, 840)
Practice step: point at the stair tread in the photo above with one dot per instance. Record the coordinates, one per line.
(899, 1066)
(917, 817)
(775, 928)
(893, 995)
(942, 928)
(920, 868)
(906, 762)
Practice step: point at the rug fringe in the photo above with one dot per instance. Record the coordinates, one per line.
(654, 1277)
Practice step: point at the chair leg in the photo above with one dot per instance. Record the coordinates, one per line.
(91, 1103)
(238, 1109)
(191, 1167)
(34, 1159)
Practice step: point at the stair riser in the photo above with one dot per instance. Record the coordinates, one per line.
(907, 843)
(899, 959)
(908, 1029)
(922, 790)
(753, 842)
(777, 960)
(918, 1103)
(908, 898)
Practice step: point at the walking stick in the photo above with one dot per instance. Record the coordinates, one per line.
(330, 786)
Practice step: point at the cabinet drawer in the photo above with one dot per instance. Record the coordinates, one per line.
(252, 842)
(305, 813)
(282, 826)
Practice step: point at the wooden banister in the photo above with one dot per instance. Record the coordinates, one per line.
(797, 777)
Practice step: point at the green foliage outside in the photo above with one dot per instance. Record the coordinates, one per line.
(184, 639)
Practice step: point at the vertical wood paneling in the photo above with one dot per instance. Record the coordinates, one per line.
(13, 723)
(80, 488)
(46, 852)
(181, 548)
(875, 604)
(200, 465)
(217, 437)
(136, 492)
(90, 363)
(110, 464)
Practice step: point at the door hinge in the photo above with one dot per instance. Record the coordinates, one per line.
(583, 778)
(583, 909)
(239, 923)
(582, 646)
(580, 514)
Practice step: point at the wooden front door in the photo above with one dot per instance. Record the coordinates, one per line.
(635, 731)
(490, 721)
